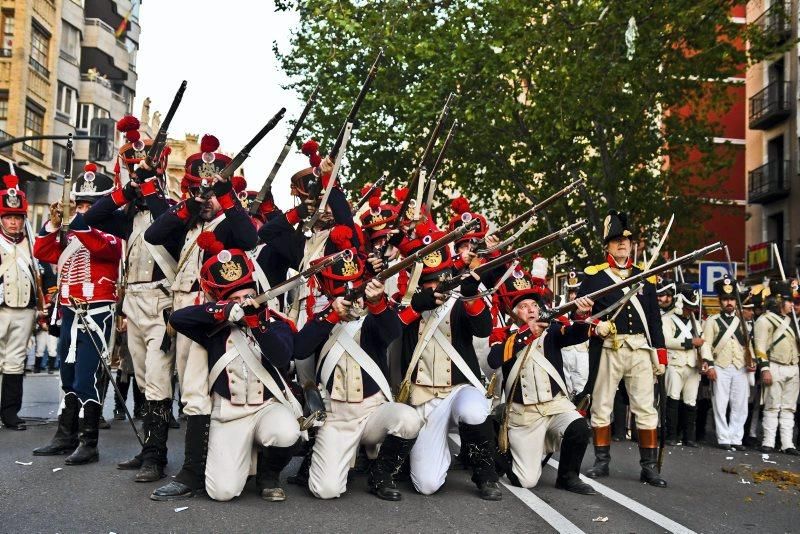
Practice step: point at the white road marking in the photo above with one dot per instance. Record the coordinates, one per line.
(634, 506)
(539, 507)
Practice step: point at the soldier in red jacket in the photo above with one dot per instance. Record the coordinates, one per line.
(88, 265)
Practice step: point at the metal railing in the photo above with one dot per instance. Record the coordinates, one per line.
(5, 52)
(775, 21)
(35, 152)
(38, 67)
(769, 182)
(100, 23)
(770, 105)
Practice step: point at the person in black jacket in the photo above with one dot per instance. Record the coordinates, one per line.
(350, 340)
(539, 416)
(252, 405)
(629, 347)
(442, 371)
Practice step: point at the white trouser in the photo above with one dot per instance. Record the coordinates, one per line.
(44, 341)
(430, 456)
(576, 367)
(146, 328)
(16, 327)
(682, 382)
(730, 387)
(233, 433)
(534, 431)
(348, 425)
(780, 403)
(191, 359)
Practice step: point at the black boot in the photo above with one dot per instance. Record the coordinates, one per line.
(51, 364)
(602, 452)
(690, 429)
(192, 476)
(37, 364)
(154, 452)
(673, 407)
(87, 449)
(271, 461)
(173, 423)
(384, 469)
(478, 441)
(648, 454)
(573, 447)
(66, 439)
(11, 402)
(301, 477)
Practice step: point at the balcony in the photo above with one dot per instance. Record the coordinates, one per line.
(775, 23)
(33, 151)
(770, 182)
(5, 136)
(770, 106)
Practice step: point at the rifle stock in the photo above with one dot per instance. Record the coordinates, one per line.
(66, 208)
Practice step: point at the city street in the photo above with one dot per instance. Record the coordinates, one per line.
(40, 497)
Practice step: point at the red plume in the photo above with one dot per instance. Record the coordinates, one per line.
(239, 183)
(315, 160)
(422, 229)
(90, 167)
(401, 193)
(11, 181)
(209, 143)
(133, 135)
(341, 236)
(208, 241)
(128, 123)
(375, 201)
(459, 205)
(310, 147)
(365, 189)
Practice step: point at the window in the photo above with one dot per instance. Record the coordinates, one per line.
(59, 158)
(87, 112)
(34, 125)
(8, 33)
(70, 43)
(40, 44)
(3, 111)
(66, 103)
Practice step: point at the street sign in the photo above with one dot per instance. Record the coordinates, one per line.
(710, 272)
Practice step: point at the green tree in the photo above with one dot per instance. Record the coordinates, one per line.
(547, 91)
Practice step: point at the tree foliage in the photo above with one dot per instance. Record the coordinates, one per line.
(547, 91)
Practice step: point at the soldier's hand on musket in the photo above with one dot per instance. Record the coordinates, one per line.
(143, 171)
(342, 308)
(698, 342)
(374, 291)
(491, 241)
(326, 166)
(221, 186)
(375, 263)
(584, 305)
(468, 256)
(766, 377)
(55, 213)
(426, 299)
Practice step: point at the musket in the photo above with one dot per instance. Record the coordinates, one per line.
(430, 186)
(351, 117)
(161, 136)
(783, 279)
(308, 225)
(526, 216)
(547, 315)
(37, 274)
(262, 194)
(244, 153)
(290, 283)
(365, 198)
(748, 353)
(65, 194)
(448, 285)
(354, 293)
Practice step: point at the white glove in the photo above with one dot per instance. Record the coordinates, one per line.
(659, 369)
(603, 328)
(236, 313)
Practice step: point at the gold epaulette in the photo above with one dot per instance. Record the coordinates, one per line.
(594, 269)
(508, 349)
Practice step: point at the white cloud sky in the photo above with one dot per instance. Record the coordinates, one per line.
(224, 51)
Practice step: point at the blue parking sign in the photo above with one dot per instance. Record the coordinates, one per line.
(710, 272)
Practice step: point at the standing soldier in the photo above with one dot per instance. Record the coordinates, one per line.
(149, 272)
(683, 376)
(17, 300)
(575, 357)
(210, 206)
(665, 293)
(88, 265)
(630, 347)
(724, 351)
(777, 353)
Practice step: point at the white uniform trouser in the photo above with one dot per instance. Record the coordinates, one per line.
(682, 382)
(44, 341)
(152, 366)
(576, 367)
(730, 387)
(348, 425)
(780, 403)
(636, 368)
(430, 456)
(536, 430)
(16, 328)
(191, 360)
(233, 433)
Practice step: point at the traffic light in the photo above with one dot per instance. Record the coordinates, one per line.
(102, 149)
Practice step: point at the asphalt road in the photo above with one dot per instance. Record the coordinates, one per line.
(40, 497)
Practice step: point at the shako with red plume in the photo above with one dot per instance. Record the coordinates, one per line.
(12, 199)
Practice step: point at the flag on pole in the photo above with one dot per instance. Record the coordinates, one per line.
(123, 26)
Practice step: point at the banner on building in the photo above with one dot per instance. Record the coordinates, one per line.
(760, 258)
